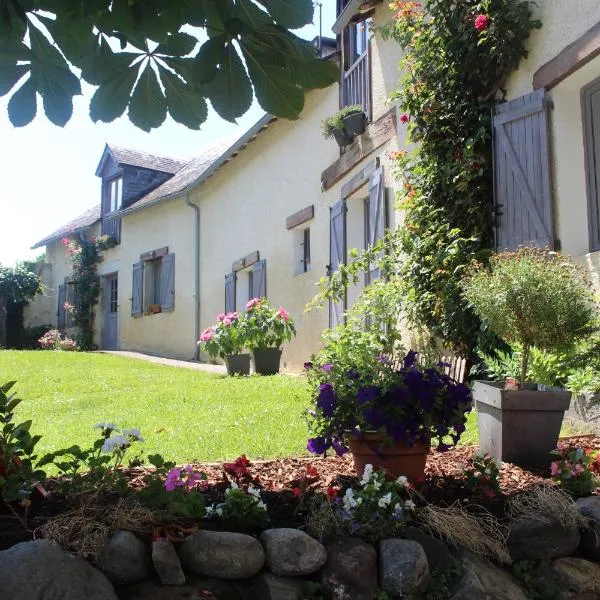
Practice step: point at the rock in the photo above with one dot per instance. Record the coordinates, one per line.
(41, 570)
(222, 554)
(270, 587)
(576, 579)
(350, 572)
(166, 562)
(590, 536)
(540, 539)
(438, 554)
(403, 567)
(195, 588)
(126, 558)
(484, 581)
(291, 552)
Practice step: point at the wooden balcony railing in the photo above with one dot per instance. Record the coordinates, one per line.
(357, 84)
(112, 226)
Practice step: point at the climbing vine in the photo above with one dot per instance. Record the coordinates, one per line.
(85, 256)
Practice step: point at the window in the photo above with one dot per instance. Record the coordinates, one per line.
(113, 301)
(153, 288)
(153, 282)
(356, 65)
(115, 194)
(356, 39)
(591, 118)
(301, 251)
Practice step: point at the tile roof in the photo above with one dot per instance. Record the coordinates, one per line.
(137, 158)
(83, 221)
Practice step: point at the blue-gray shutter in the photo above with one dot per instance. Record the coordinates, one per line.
(337, 256)
(61, 316)
(259, 279)
(137, 290)
(522, 185)
(230, 292)
(167, 283)
(376, 220)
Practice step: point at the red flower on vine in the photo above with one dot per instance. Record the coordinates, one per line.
(482, 22)
(404, 118)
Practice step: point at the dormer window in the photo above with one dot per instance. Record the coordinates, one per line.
(115, 193)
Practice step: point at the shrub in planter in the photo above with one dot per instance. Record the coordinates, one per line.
(537, 299)
(388, 411)
(267, 329)
(226, 340)
(345, 124)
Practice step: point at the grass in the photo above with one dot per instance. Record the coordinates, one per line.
(184, 414)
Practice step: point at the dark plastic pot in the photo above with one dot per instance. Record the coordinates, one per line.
(267, 361)
(238, 364)
(519, 426)
(355, 124)
(341, 137)
(395, 458)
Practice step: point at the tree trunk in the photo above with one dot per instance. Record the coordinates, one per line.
(3, 315)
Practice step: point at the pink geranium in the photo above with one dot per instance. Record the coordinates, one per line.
(221, 317)
(283, 314)
(252, 303)
(554, 469)
(207, 335)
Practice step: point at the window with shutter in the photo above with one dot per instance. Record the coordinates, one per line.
(230, 284)
(522, 186)
(591, 126)
(337, 256)
(375, 217)
(259, 279)
(61, 315)
(167, 295)
(137, 289)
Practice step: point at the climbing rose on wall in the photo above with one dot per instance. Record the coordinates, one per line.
(482, 22)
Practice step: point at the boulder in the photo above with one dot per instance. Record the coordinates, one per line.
(590, 536)
(350, 572)
(576, 579)
(403, 567)
(166, 562)
(41, 570)
(222, 554)
(540, 539)
(126, 558)
(438, 554)
(291, 552)
(482, 580)
(271, 587)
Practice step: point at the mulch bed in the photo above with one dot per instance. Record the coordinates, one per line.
(443, 485)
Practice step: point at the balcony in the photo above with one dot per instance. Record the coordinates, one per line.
(357, 84)
(111, 226)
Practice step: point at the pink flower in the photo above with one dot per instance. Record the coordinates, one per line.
(283, 314)
(207, 335)
(482, 22)
(253, 303)
(227, 321)
(578, 469)
(554, 469)
(221, 317)
(404, 118)
(173, 480)
(232, 316)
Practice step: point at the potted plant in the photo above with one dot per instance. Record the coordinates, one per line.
(354, 120)
(333, 127)
(266, 330)
(386, 412)
(227, 339)
(537, 299)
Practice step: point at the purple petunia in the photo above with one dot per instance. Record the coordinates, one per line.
(308, 366)
(328, 367)
(410, 359)
(318, 445)
(326, 400)
(375, 417)
(339, 447)
(367, 394)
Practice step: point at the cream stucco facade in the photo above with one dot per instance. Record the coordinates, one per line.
(563, 23)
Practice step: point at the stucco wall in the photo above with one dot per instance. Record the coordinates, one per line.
(244, 208)
(563, 23)
(42, 309)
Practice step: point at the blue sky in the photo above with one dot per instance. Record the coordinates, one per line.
(47, 172)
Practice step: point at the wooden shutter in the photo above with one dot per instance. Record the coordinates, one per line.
(137, 289)
(167, 283)
(61, 317)
(337, 256)
(230, 292)
(375, 216)
(259, 279)
(522, 186)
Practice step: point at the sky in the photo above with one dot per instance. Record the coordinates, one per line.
(48, 172)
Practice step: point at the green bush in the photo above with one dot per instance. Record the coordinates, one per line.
(336, 120)
(534, 298)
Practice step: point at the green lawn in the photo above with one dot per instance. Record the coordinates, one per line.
(184, 414)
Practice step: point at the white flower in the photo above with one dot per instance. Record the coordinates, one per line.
(367, 474)
(398, 510)
(114, 442)
(133, 433)
(348, 500)
(402, 481)
(487, 472)
(377, 484)
(209, 511)
(410, 505)
(232, 486)
(262, 505)
(253, 491)
(385, 500)
(219, 512)
(106, 426)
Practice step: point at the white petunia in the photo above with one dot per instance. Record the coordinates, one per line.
(367, 474)
(385, 500)
(398, 509)
(402, 481)
(134, 433)
(377, 484)
(487, 472)
(410, 505)
(262, 505)
(115, 442)
(348, 500)
(253, 491)
(209, 511)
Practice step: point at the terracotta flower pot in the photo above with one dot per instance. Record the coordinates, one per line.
(396, 458)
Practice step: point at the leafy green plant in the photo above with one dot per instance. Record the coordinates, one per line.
(482, 472)
(532, 297)
(576, 469)
(19, 473)
(265, 326)
(241, 510)
(336, 120)
(227, 337)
